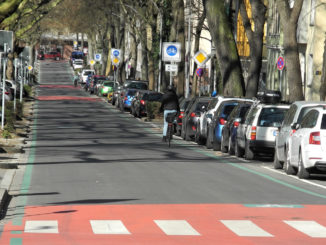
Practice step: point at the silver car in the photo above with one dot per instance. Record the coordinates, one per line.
(294, 116)
(257, 134)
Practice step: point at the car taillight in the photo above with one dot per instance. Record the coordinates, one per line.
(314, 138)
(6, 92)
(181, 114)
(193, 128)
(222, 121)
(253, 133)
(193, 114)
(142, 102)
(236, 124)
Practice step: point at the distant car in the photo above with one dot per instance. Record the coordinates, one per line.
(189, 121)
(127, 98)
(229, 131)
(105, 87)
(294, 116)
(95, 80)
(53, 55)
(139, 103)
(220, 117)
(84, 75)
(308, 145)
(183, 105)
(115, 94)
(77, 64)
(76, 55)
(257, 134)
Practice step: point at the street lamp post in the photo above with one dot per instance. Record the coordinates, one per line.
(189, 50)
(3, 88)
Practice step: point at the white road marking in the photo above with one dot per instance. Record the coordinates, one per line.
(44, 226)
(295, 177)
(245, 228)
(176, 228)
(310, 228)
(113, 227)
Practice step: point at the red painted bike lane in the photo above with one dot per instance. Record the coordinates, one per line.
(169, 224)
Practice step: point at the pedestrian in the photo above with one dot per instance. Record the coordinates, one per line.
(170, 104)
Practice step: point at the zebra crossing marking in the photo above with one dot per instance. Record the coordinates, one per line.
(113, 227)
(245, 228)
(310, 228)
(176, 228)
(44, 226)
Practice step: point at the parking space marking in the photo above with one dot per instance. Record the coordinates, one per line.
(176, 228)
(310, 228)
(245, 228)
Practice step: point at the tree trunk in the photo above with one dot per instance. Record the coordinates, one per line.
(323, 78)
(255, 38)
(289, 21)
(178, 35)
(226, 51)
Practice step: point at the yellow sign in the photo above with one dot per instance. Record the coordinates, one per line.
(30, 68)
(115, 61)
(201, 57)
(92, 62)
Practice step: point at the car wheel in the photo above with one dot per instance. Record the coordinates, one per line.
(224, 148)
(288, 168)
(249, 154)
(238, 151)
(231, 150)
(302, 171)
(209, 143)
(277, 164)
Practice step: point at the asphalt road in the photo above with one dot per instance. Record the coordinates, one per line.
(86, 154)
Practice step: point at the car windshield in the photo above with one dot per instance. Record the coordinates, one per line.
(227, 110)
(136, 85)
(271, 117)
(108, 84)
(86, 73)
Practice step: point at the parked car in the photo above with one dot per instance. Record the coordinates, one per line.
(186, 112)
(84, 75)
(189, 120)
(294, 116)
(230, 128)
(183, 104)
(53, 55)
(206, 119)
(77, 64)
(308, 145)
(257, 134)
(220, 117)
(138, 105)
(128, 96)
(76, 55)
(115, 94)
(95, 80)
(105, 87)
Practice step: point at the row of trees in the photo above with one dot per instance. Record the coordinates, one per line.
(105, 23)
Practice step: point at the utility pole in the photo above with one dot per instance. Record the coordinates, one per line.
(189, 50)
(3, 87)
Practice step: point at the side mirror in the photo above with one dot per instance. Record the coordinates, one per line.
(297, 126)
(294, 126)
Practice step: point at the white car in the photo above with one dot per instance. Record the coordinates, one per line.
(84, 74)
(78, 64)
(297, 111)
(307, 146)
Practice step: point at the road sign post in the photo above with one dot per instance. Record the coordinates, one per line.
(172, 54)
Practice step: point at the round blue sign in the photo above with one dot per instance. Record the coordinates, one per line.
(97, 56)
(116, 53)
(280, 63)
(171, 50)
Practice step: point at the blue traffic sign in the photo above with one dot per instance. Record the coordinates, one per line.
(171, 50)
(116, 53)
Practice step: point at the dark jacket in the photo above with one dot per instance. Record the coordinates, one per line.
(170, 101)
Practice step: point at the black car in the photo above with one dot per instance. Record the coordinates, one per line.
(183, 105)
(138, 107)
(229, 130)
(190, 119)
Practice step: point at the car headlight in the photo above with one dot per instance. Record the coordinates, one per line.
(105, 89)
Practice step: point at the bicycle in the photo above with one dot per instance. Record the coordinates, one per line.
(170, 117)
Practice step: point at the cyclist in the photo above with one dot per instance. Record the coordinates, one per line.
(170, 104)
